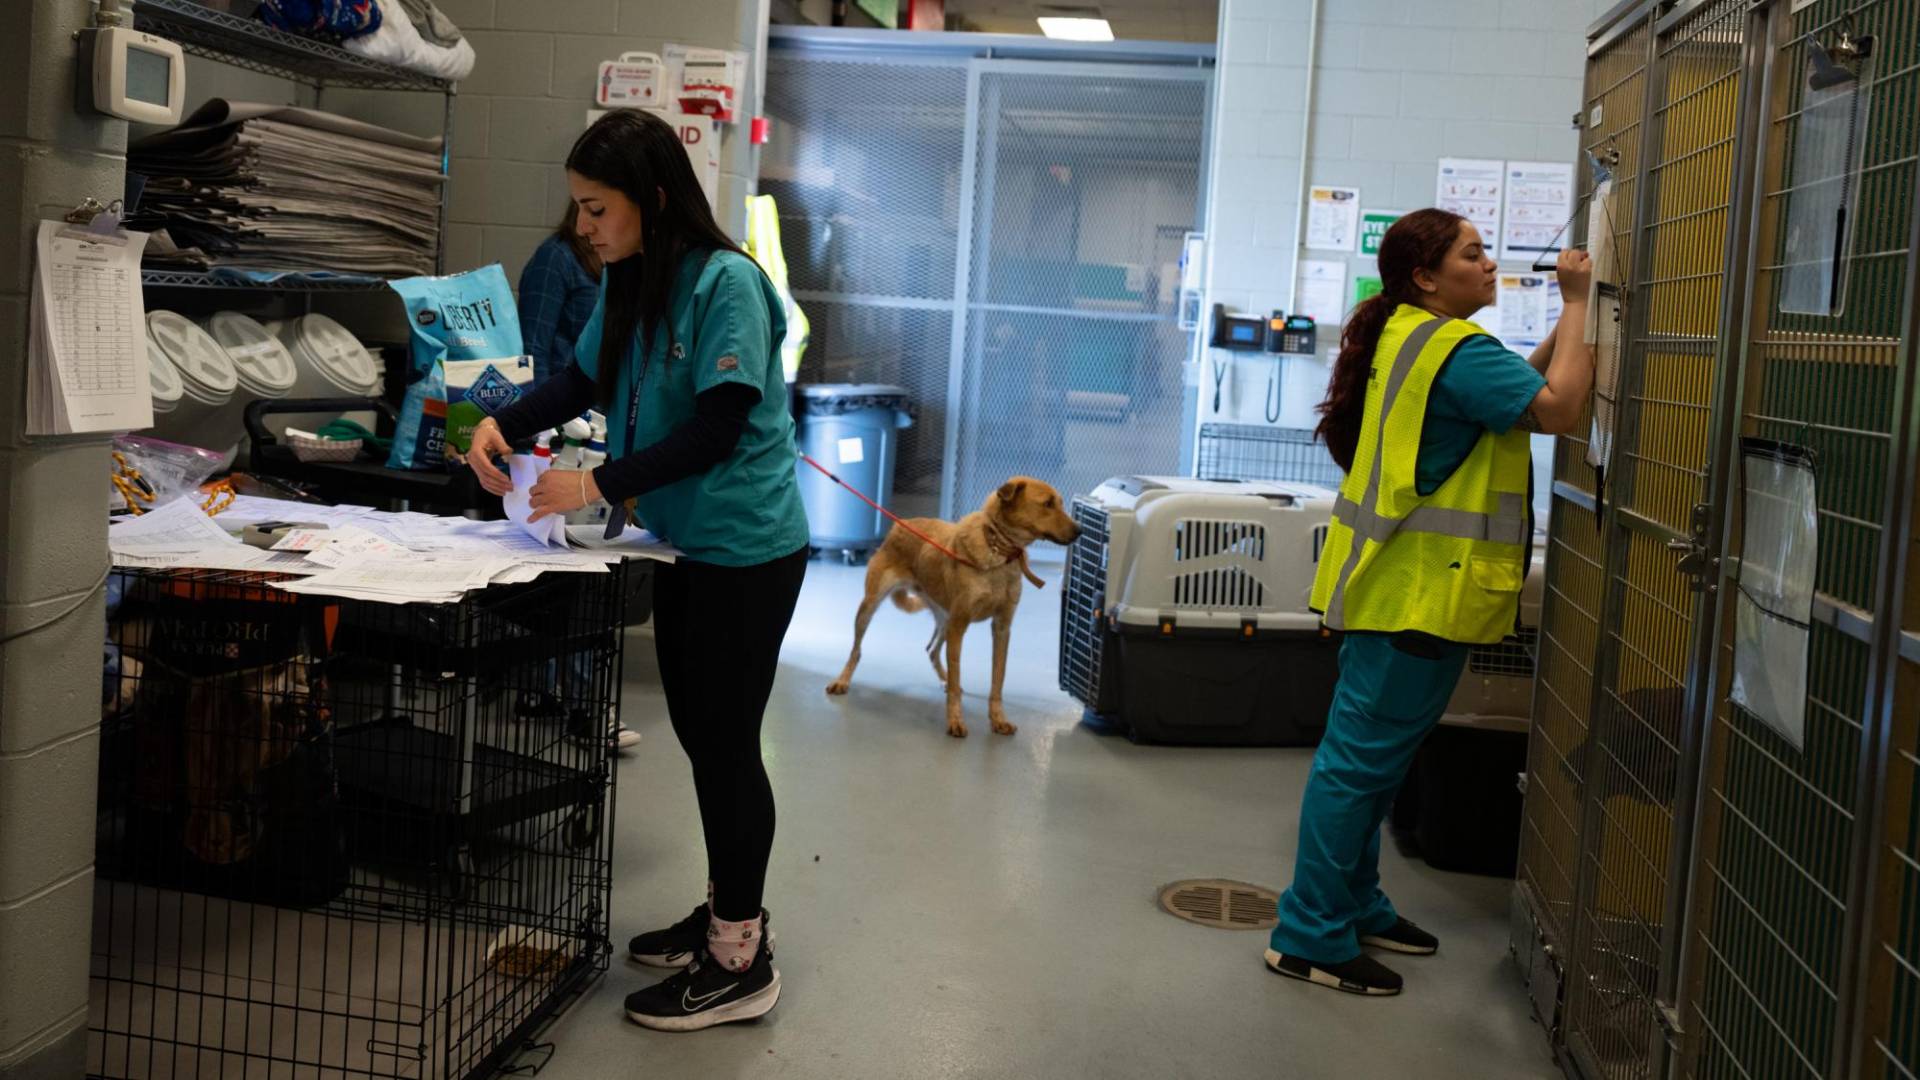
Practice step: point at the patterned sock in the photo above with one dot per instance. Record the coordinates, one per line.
(733, 944)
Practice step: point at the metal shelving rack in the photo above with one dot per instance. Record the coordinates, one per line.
(200, 279)
(253, 46)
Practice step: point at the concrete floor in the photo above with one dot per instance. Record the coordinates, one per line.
(985, 907)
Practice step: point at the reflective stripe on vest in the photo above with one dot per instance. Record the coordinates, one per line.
(1509, 526)
(1457, 569)
(1402, 367)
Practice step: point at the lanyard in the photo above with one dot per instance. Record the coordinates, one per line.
(617, 521)
(617, 518)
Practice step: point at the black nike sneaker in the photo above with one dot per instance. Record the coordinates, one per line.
(1361, 975)
(674, 946)
(705, 993)
(1403, 937)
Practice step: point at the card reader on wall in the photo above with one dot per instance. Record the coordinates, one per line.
(1290, 334)
(1238, 331)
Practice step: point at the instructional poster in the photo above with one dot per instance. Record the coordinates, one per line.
(1333, 218)
(1472, 187)
(1525, 309)
(1539, 201)
(1522, 303)
(1322, 291)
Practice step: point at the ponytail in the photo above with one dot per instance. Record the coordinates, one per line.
(1346, 402)
(1415, 241)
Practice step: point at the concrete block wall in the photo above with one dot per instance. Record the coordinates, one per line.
(1397, 85)
(515, 118)
(527, 100)
(53, 558)
(517, 115)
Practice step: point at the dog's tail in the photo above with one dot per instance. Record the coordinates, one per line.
(909, 600)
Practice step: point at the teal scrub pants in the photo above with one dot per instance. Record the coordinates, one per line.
(1387, 699)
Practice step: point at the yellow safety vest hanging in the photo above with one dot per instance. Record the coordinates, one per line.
(1449, 564)
(763, 243)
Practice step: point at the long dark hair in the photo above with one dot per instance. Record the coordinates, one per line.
(639, 155)
(1419, 240)
(569, 234)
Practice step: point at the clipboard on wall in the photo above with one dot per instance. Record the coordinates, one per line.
(87, 349)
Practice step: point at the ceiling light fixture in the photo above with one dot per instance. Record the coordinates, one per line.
(1075, 24)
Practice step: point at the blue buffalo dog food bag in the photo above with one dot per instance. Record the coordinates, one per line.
(467, 363)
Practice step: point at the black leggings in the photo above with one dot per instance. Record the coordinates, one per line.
(717, 631)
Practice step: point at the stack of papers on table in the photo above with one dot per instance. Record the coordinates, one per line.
(248, 185)
(363, 554)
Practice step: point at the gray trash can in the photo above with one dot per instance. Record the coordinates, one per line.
(850, 430)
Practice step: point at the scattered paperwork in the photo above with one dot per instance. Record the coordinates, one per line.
(364, 554)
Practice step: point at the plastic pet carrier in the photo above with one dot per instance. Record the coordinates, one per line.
(1184, 616)
(1460, 806)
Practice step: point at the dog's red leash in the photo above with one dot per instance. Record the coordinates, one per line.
(935, 544)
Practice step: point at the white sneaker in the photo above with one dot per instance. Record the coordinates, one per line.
(622, 736)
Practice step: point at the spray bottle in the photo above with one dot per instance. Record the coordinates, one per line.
(576, 433)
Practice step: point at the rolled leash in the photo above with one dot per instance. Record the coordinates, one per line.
(930, 541)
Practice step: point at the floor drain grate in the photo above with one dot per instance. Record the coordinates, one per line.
(1221, 904)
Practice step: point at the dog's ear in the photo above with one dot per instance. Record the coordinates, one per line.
(1010, 491)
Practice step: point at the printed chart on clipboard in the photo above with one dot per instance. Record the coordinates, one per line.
(1606, 308)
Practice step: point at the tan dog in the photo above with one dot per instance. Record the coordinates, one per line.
(918, 576)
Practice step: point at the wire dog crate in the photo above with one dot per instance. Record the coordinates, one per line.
(1258, 452)
(346, 838)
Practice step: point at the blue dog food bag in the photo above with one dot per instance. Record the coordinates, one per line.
(467, 363)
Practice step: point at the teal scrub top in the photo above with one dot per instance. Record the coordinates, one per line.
(1483, 386)
(727, 326)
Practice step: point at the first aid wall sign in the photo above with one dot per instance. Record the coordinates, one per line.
(636, 80)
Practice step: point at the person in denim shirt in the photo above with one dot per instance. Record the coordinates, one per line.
(558, 289)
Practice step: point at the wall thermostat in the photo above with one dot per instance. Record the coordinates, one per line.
(135, 75)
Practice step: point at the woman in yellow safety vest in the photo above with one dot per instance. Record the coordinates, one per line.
(1430, 542)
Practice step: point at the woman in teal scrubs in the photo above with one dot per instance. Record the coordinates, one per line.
(682, 354)
(1407, 641)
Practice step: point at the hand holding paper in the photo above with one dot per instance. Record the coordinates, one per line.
(561, 491)
(528, 473)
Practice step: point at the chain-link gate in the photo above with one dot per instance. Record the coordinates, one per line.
(865, 171)
(1085, 182)
(1001, 238)
(1721, 825)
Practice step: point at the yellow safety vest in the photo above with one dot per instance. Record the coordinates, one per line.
(1449, 564)
(763, 243)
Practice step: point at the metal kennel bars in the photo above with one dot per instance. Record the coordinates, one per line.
(1720, 877)
(344, 838)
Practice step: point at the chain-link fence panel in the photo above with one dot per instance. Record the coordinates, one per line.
(866, 171)
(1085, 186)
